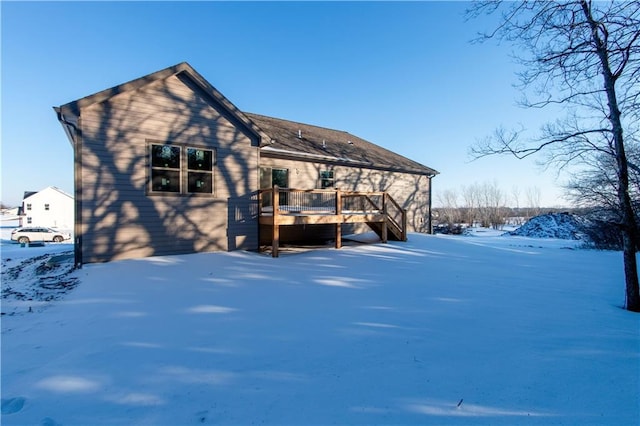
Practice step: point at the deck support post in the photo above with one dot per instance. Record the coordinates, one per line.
(404, 225)
(338, 225)
(385, 216)
(275, 230)
(384, 231)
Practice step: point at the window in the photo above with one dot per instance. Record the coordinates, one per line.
(46, 207)
(326, 179)
(199, 171)
(165, 168)
(265, 177)
(173, 172)
(29, 219)
(280, 177)
(272, 176)
(28, 206)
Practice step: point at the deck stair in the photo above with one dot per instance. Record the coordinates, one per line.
(394, 233)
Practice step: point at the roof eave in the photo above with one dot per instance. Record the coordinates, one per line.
(303, 156)
(69, 128)
(74, 108)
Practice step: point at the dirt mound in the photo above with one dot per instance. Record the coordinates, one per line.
(33, 282)
(564, 226)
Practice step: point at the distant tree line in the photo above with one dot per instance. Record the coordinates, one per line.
(591, 192)
(485, 204)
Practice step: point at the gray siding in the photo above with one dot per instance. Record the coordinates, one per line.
(411, 191)
(119, 219)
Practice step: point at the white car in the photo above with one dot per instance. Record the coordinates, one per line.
(38, 234)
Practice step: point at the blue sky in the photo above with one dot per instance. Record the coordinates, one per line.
(403, 75)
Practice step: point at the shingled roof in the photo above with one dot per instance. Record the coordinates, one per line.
(308, 142)
(278, 137)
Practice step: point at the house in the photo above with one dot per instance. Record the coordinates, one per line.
(50, 207)
(165, 164)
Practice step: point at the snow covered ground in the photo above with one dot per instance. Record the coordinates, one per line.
(478, 329)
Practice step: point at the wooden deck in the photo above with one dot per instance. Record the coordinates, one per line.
(287, 206)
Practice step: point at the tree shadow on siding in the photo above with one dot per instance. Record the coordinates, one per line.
(120, 218)
(410, 191)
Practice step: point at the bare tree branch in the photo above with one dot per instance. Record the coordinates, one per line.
(582, 57)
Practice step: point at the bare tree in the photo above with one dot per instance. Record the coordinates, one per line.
(471, 203)
(515, 196)
(492, 205)
(484, 203)
(533, 201)
(580, 55)
(594, 189)
(449, 212)
(595, 186)
(515, 199)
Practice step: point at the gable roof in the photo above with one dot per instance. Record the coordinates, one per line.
(28, 194)
(277, 137)
(308, 142)
(68, 113)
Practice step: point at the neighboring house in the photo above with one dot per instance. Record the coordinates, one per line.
(165, 164)
(50, 207)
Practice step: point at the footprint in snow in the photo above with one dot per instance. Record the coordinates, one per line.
(12, 405)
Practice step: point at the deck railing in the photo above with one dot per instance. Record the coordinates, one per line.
(288, 200)
(396, 215)
(314, 206)
(322, 201)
